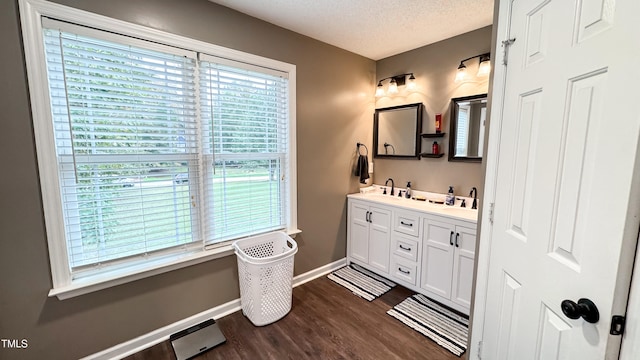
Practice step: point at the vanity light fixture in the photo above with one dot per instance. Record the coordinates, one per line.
(395, 81)
(484, 67)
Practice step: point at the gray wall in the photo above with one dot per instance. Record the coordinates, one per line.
(332, 116)
(434, 67)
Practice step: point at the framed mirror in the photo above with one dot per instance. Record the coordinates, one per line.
(467, 125)
(396, 132)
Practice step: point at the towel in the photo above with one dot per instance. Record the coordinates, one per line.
(362, 168)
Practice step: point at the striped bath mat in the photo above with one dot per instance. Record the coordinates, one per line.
(447, 328)
(361, 281)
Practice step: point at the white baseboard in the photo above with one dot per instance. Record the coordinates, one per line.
(318, 272)
(157, 336)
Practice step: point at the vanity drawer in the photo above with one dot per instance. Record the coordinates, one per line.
(407, 223)
(405, 247)
(404, 270)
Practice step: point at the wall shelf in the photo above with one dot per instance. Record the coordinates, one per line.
(432, 135)
(427, 155)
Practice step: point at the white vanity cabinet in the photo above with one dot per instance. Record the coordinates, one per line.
(427, 248)
(369, 235)
(448, 257)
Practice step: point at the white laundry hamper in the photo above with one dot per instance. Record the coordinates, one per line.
(265, 271)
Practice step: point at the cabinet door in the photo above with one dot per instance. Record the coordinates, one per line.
(437, 257)
(379, 238)
(463, 261)
(358, 232)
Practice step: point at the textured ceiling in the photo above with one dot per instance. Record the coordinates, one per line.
(372, 28)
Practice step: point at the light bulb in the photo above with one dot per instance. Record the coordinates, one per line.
(411, 83)
(393, 87)
(461, 74)
(485, 68)
(380, 90)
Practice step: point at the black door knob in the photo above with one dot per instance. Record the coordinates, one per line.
(585, 308)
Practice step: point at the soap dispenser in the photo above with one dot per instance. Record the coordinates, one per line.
(407, 193)
(450, 199)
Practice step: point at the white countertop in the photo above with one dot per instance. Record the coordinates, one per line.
(454, 212)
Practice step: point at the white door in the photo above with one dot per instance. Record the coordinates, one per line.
(379, 238)
(566, 195)
(359, 232)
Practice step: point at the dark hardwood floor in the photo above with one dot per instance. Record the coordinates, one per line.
(326, 322)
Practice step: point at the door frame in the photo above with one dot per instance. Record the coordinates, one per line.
(631, 338)
(501, 24)
(631, 335)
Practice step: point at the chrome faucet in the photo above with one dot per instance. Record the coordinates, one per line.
(385, 184)
(474, 193)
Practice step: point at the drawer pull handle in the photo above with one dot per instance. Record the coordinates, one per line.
(406, 224)
(404, 248)
(404, 271)
(451, 238)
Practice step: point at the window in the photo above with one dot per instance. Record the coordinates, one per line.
(125, 129)
(244, 136)
(159, 152)
(462, 130)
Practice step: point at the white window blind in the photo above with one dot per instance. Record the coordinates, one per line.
(462, 131)
(126, 142)
(245, 127)
(153, 159)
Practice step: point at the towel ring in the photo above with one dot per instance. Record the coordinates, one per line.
(365, 148)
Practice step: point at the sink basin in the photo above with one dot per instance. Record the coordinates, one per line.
(384, 197)
(459, 211)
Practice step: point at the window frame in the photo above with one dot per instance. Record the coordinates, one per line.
(63, 284)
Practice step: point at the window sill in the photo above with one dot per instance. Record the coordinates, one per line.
(99, 282)
(95, 283)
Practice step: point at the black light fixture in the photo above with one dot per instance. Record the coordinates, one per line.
(396, 80)
(484, 67)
